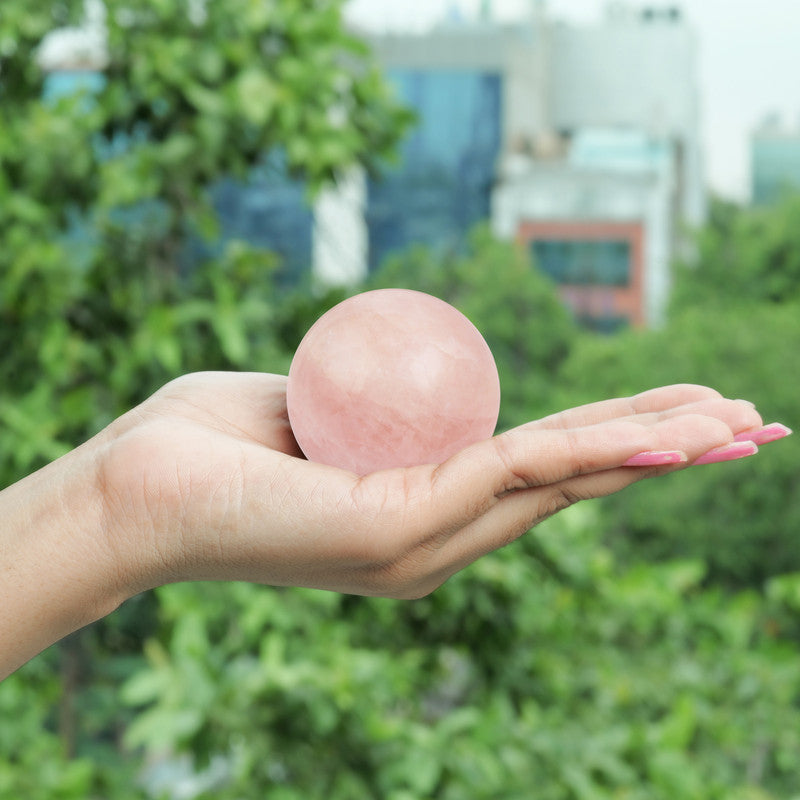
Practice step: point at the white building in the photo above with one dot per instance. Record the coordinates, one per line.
(600, 142)
(599, 222)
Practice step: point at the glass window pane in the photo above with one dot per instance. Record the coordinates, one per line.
(442, 185)
(584, 262)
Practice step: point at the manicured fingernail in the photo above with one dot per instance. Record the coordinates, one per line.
(656, 458)
(728, 452)
(769, 433)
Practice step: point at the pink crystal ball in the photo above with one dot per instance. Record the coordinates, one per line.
(391, 378)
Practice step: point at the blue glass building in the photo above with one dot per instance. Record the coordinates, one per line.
(268, 210)
(442, 185)
(440, 188)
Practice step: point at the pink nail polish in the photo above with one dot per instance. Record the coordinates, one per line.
(769, 433)
(728, 452)
(656, 458)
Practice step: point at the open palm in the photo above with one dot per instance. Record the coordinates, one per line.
(204, 480)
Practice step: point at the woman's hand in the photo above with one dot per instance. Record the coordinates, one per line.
(204, 480)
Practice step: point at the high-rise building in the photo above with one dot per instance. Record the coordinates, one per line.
(581, 142)
(775, 161)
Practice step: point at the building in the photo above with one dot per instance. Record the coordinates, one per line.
(574, 140)
(268, 209)
(775, 162)
(599, 222)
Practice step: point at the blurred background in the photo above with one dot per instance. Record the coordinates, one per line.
(610, 191)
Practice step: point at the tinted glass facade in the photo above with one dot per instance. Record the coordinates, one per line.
(267, 210)
(598, 265)
(776, 167)
(442, 185)
(584, 263)
(439, 189)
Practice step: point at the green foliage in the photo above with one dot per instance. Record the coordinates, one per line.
(100, 302)
(34, 758)
(581, 679)
(743, 257)
(557, 668)
(22, 27)
(98, 197)
(243, 76)
(728, 332)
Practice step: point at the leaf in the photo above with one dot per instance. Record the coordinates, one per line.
(678, 728)
(143, 687)
(163, 728)
(255, 94)
(205, 100)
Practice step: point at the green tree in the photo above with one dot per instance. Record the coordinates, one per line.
(734, 325)
(546, 668)
(742, 257)
(100, 195)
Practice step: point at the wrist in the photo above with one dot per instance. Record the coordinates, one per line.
(58, 571)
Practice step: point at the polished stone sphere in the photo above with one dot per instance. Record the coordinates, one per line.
(391, 378)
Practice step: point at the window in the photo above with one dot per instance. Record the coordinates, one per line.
(584, 262)
(603, 324)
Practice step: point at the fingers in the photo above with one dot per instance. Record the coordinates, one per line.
(470, 483)
(493, 492)
(655, 405)
(655, 401)
(429, 522)
(738, 415)
(764, 434)
(588, 470)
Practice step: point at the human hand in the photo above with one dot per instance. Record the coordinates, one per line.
(205, 481)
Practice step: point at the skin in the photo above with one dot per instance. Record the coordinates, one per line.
(204, 481)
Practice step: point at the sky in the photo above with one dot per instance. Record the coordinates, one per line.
(749, 63)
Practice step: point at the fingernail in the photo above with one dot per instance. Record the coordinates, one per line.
(746, 402)
(728, 452)
(769, 433)
(656, 458)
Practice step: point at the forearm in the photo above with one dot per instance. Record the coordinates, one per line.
(57, 573)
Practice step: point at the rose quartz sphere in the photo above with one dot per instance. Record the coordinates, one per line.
(391, 378)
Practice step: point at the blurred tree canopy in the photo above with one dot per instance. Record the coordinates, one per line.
(743, 258)
(100, 193)
(734, 325)
(562, 667)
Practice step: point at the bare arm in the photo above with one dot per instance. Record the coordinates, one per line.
(204, 481)
(56, 572)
